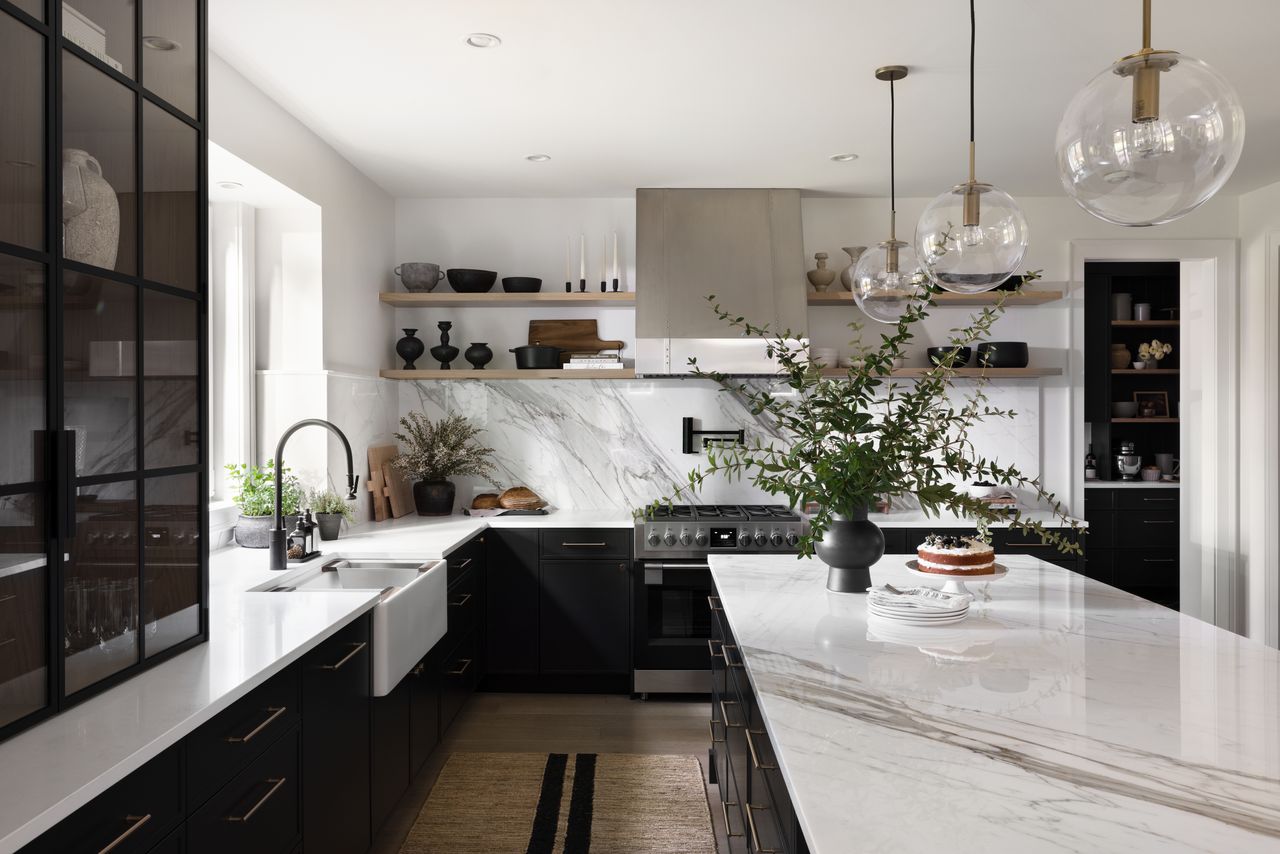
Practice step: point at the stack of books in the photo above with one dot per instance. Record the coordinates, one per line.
(593, 362)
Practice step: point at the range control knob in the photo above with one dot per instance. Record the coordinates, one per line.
(744, 540)
(685, 538)
(700, 538)
(669, 537)
(654, 540)
(793, 539)
(761, 539)
(776, 539)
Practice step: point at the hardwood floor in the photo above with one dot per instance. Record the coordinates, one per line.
(560, 723)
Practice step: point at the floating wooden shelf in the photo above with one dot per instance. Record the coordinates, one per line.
(510, 374)
(1130, 323)
(948, 299)
(974, 373)
(449, 299)
(1144, 421)
(1158, 371)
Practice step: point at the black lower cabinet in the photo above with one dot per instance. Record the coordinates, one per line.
(335, 743)
(257, 812)
(511, 612)
(174, 843)
(1134, 541)
(389, 752)
(584, 612)
(424, 710)
(458, 679)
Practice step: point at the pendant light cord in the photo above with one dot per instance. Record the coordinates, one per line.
(973, 49)
(893, 190)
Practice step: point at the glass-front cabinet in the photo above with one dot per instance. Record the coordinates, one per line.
(103, 345)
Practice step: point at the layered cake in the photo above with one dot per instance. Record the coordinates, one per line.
(948, 555)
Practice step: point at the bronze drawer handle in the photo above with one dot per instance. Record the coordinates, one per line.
(724, 808)
(1158, 560)
(724, 713)
(711, 726)
(276, 711)
(755, 838)
(462, 600)
(1159, 499)
(1159, 522)
(727, 660)
(8, 597)
(755, 758)
(465, 562)
(584, 545)
(276, 783)
(8, 641)
(138, 822)
(711, 647)
(713, 604)
(355, 648)
(418, 669)
(466, 662)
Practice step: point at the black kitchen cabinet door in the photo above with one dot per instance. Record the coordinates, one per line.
(389, 759)
(511, 612)
(424, 709)
(335, 743)
(585, 609)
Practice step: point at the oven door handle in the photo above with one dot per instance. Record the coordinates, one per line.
(655, 573)
(661, 565)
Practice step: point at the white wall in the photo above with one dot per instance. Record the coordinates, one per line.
(288, 289)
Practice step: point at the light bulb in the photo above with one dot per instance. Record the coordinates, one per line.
(972, 235)
(972, 238)
(888, 281)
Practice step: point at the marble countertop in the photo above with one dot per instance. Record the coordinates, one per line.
(1062, 715)
(54, 768)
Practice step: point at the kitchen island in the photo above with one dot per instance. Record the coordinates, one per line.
(1062, 715)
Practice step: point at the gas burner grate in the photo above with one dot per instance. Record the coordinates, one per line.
(719, 511)
(770, 511)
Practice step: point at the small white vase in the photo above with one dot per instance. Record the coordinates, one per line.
(846, 275)
(90, 211)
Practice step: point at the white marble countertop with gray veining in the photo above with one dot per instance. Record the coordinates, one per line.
(1063, 715)
(56, 767)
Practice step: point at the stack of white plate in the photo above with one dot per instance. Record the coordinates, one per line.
(917, 606)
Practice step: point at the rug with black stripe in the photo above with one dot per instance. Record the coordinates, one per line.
(564, 803)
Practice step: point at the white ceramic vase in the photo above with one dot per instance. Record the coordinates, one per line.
(90, 211)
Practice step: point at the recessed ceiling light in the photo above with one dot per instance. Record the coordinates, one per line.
(537, 158)
(844, 158)
(160, 43)
(482, 40)
(230, 185)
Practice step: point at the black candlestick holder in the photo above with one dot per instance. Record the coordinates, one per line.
(615, 286)
(604, 286)
(568, 287)
(582, 286)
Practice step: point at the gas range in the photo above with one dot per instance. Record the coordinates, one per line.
(696, 530)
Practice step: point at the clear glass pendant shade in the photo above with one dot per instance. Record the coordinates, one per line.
(1150, 139)
(884, 287)
(972, 238)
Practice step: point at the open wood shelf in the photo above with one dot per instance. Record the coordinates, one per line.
(511, 374)
(449, 299)
(1141, 323)
(949, 299)
(1159, 371)
(1144, 421)
(976, 373)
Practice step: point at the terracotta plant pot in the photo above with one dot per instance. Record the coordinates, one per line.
(433, 497)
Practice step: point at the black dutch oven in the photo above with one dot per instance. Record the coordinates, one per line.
(533, 357)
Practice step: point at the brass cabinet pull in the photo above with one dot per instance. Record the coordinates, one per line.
(418, 668)
(724, 808)
(727, 660)
(8, 597)
(755, 757)
(1159, 522)
(1159, 499)
(466, 662)
(584, 545)
(276, 783)
(355, 648)
(8, 641)
(713, 603)
(711, 725)
(755, 837)
(276, 712)
(137, 822)
(711, 647)
(462, 600)
(464, 563)
(724, 713)
(1159, 560)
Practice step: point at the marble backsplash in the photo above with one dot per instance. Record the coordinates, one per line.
(593, 444)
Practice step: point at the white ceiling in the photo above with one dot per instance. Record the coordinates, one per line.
(630, 93)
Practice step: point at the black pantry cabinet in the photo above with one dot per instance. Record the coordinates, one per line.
(103, 350)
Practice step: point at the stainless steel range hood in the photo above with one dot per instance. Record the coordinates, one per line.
(744, 246)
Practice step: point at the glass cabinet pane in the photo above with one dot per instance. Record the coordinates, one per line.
(34, 8)
(22, 370)
(170, 201)
(23, 611)
(170, 406)
(99, 186)
(170, 52)
(104, 28)
(100, 585)
(99, 366)
(171, 556)
(21, 134)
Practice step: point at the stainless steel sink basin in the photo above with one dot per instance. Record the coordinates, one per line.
(411, 615)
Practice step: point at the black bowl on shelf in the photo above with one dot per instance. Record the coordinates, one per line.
(466, 281)
(521, 285)
(937, 354)
(1003, 354)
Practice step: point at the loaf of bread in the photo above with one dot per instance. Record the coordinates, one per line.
(520, 498)
(485, 501)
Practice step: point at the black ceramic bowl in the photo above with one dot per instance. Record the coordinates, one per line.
(466, 281)
(937, 354)
(1003, 354)
(521, 285)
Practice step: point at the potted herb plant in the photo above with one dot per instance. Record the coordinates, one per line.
(432, 452)
(330, 509)
(255, 493)
(862, 436)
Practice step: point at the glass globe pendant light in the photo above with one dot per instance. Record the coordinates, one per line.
(888, 278)
(972, 237)
(1151, 138)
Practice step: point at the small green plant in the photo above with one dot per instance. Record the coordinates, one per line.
(255, 489)
(442, 449)
(328, 501)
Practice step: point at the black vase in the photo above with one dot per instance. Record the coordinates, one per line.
(410, 348)
(443, 352)
(478, 355)
(433, 497)
(849, 548)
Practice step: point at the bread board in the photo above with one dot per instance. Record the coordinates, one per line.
(379, 498)
(571, 336)
(399, 490)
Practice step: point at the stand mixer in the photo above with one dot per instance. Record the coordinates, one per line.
(1128, 461)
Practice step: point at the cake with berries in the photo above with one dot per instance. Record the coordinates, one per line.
(951, 555)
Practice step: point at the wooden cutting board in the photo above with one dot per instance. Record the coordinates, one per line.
(377, 484)
(399, 490)
(573, 336)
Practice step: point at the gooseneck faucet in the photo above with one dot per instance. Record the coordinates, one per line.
(279, 535)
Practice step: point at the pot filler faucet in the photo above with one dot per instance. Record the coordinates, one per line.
(279, 535)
